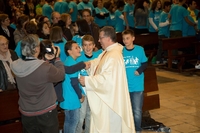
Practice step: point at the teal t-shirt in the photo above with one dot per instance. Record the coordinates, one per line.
(112, 20)
(74, 15)
(155, 16)
(47, 11)
(98, 21)
(71, 101)
(177, 16)
(163, 30)
(119, 21)
(129, 9)
(187, 29)
(61, 45)
(82, 6)
(132, 60)
(61, 7)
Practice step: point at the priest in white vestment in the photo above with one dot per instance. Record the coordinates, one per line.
(107, 88)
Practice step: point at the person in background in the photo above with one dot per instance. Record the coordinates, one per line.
(46, 20)
(20, 32)
(73, 11)
(94, 28)
(47, 8)
(154, 16)
(176, 16)
(29, 9)
(7, 31)
(55, 17)
(43, 30)
(56, 36)
(38, 8)
(163, 31)
(141, 14)
(7, 56)
(112, 16)
(193, 12)
(119, 27)
(129, 21)
(107, 88)
(101, 13)
(61, 6)
(85, 4)
(135, 62)
(17, 14)
(37, 101)
(66, 18)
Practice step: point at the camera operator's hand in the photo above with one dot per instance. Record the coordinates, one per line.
(87, 65)
(57, 50)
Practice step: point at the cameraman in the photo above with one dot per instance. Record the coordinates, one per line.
(35, 78)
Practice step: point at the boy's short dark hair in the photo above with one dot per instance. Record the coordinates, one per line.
(166, 4)
(68, 46)
(129, 31)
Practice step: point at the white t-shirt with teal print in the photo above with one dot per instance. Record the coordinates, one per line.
(132, 60)
(129, 9)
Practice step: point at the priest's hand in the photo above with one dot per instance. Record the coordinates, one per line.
(82, 80)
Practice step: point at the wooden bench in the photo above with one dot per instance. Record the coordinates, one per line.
(151, 101)
(171, 44)
(148, 41)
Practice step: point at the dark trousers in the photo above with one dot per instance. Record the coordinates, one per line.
(160, 51)
(45, 123)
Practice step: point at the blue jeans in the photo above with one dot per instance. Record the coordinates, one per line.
(71, 120)
(84, 114)
(137, 103)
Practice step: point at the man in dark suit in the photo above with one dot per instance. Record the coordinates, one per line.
(6, 30)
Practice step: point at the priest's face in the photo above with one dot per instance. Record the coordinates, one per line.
(103, 40)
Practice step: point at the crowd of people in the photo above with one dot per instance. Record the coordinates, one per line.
(64, 53)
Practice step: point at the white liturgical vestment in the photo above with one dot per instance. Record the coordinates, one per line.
(108, 95)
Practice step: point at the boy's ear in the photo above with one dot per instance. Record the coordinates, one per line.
(133, 38)
(69, 52)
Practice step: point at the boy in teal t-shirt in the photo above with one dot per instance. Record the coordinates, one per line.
(86, 55)
(135, 62)
(129, 14)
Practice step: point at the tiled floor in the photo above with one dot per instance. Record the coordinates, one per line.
(179, 102)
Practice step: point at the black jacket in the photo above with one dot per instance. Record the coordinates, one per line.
(11, 38)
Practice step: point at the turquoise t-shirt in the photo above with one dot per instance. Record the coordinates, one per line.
(177, 16)
(61, 7)
(119, 21)
(163, 30)
(61, 45)
(71, 101)
(84, 58)
(82, 6)
(112, 20)
(47, 11)
(12, 25)
(132, 61)
(187, 29)
(129, 9)
(98, 21)
(155, 16)
(74, 15)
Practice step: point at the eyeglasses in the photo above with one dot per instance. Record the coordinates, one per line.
(100, 38)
